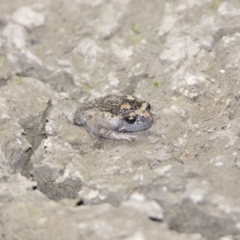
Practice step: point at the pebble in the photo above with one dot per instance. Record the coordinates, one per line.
(28, 18)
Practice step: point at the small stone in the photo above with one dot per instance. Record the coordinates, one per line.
(163, 170)
(219, 164)
(88, 48)
(14, 35)
(207, 43)
(28, 18)
(113, 80)
(227, 9)
(136, 236)
(151, 208)
(226, 238)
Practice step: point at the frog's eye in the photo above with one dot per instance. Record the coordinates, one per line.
(148, 108)
(130, 120)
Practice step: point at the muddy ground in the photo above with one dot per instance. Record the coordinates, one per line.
(177, 180)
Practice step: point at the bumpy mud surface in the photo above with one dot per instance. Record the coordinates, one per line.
(179, 179)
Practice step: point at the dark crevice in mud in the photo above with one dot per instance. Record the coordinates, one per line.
(80, 203)
(34, 132)
(155, 219)
(25, 169)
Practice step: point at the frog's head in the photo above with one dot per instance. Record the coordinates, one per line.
(135, 115)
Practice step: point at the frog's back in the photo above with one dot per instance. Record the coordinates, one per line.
(99, 104)
(108, 103)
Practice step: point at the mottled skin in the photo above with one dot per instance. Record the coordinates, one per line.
(112, 116)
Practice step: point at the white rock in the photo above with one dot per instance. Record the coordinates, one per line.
(28, 18)
(196, 191)
(88, 48)
(226, 238)
(113, 80)
(207, 42)
(151, 208)
(3, 109)
(124, 54)
(33, 58)
(136, 236)
(193, 80)
(163, 170)
(226, 9)
(136, 196)
(64, 62)
(14, 35)
(179, 47)
(92, 3)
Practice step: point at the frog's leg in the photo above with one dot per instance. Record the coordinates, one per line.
(115, 135)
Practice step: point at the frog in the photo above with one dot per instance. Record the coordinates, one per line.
(114, 117)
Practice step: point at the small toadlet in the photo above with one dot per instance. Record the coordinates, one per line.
(112, 116)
